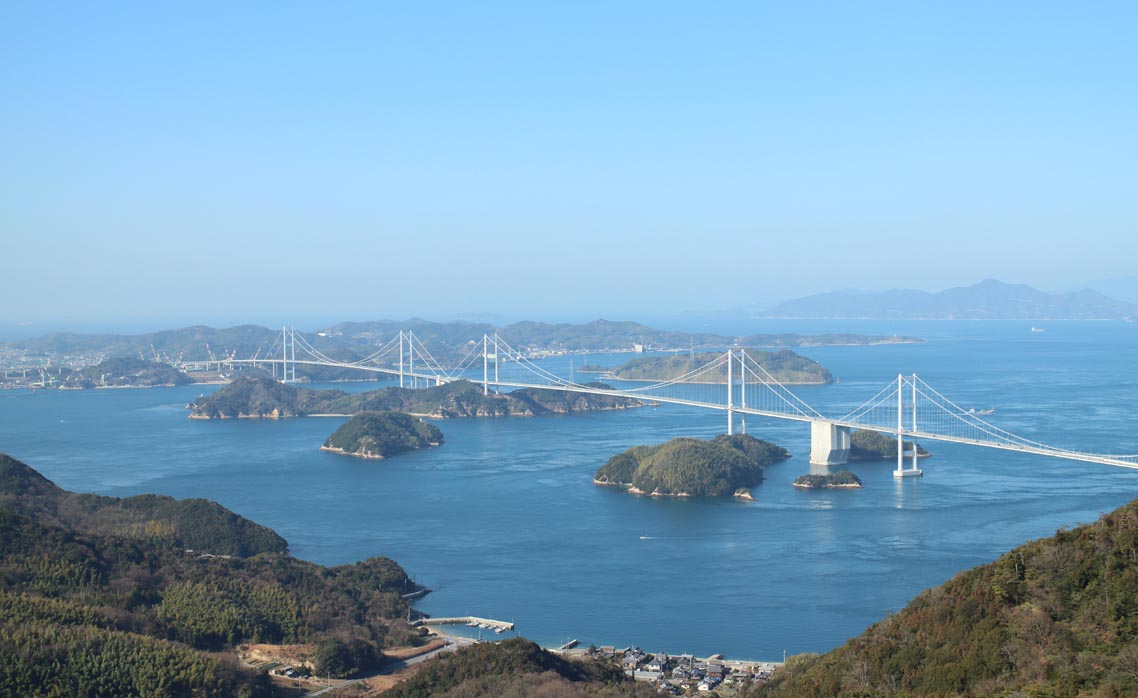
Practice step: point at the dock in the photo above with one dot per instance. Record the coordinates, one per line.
(473, 621)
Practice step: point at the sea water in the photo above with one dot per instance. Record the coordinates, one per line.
(503, 521)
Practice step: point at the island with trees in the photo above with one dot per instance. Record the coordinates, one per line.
(842, 479)
(866, 445)
(124, 372)
(376, 435)
(784, 366)
(265, 398)
(687, 467)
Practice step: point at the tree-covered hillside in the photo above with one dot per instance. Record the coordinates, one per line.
(516, 667)
(1055, 617)
(126, 372)
(196, 524)
(94, 608)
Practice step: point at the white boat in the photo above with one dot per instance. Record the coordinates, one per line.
(1037, 329)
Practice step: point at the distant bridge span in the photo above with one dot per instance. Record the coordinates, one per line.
(906, 408)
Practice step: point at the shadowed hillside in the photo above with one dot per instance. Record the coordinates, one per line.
(1055, 617)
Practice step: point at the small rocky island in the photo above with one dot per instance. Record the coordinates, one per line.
(785, 366)
(723, 466)
(843, 479)
(253, 397)
(376, 435)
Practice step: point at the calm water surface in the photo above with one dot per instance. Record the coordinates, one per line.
(503, 520)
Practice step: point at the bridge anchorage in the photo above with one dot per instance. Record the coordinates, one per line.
(907, 408)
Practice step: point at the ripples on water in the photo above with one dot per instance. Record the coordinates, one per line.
(503, 519)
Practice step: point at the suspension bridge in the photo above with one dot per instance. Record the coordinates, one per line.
(907, 407)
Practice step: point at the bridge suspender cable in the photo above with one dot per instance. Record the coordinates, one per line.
(940, 418)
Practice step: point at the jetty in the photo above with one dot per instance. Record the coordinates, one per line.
(472, 621)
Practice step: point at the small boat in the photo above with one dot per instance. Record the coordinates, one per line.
(982, 413)
(1037, 330)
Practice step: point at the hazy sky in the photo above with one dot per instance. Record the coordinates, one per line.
(241, 161)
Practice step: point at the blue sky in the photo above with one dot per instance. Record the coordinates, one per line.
(219, 162)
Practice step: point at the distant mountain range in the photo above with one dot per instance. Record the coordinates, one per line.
(987, 300)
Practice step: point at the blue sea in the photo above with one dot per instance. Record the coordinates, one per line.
(503, 520)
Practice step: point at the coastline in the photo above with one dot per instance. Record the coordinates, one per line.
(366, 455)
(722, 382)
(742, 493)
(579, 651)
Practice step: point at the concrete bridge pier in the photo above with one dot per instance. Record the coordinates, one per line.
(829, 443)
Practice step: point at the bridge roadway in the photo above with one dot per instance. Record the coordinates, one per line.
(312, 362)
(566, 388)
(893, 431)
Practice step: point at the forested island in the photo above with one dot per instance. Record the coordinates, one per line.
(688, 467)
(866, 445)
(840, 480)
(108, 597)
(376, 435)
(785, 366)
(124, 372)
(266, 398)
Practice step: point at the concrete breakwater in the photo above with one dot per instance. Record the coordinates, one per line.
(472, 621)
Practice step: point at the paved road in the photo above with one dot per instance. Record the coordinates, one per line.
(392, 667)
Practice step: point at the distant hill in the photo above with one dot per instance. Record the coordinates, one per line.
(987, 300)
(1054, 617)
(448, 342)
(1124, 288)
(784, 366)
